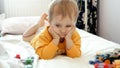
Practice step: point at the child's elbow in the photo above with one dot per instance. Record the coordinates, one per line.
(44, 56)
(77, 55)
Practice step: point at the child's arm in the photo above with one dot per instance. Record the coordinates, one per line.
(47, 50)
(73, 44)
(45, 45)
(30, 33)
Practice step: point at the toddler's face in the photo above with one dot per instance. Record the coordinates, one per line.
(62, 26)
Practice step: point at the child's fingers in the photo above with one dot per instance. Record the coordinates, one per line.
(50, 29)
(56, 30)
(72, 30)
(53, 29)
(53, 32)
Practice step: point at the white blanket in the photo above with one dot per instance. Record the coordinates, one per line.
(90, 45)
(10, 46)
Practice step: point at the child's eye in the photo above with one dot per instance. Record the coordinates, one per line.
(57, 25)
(68, 26)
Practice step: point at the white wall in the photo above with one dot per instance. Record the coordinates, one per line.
(25, 7)
(1, 6)
(109, 20)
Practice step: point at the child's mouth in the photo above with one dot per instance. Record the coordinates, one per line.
(62, 35)
(62, 39)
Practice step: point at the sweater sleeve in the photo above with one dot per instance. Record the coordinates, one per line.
(75, 51)
(44, 48)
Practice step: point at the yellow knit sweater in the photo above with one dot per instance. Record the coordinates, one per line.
(46, 49)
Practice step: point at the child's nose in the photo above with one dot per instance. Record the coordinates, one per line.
(63, 30)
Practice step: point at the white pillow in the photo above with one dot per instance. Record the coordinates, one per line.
(17, 25)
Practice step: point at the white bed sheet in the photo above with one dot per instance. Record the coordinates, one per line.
(90, 45)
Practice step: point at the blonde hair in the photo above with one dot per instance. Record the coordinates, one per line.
(63, 7)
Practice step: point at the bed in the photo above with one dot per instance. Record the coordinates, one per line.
(11, 44)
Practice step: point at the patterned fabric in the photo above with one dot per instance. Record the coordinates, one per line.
(91, 16)
(80, 21)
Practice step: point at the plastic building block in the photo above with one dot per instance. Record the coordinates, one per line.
(17, 56)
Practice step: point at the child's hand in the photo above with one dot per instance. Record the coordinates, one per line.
(69, 41)
(54, 35)
(42, 19)
(70, 33)
(53, 32)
